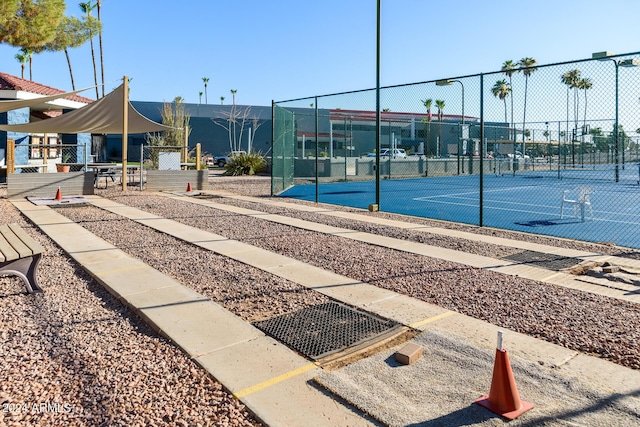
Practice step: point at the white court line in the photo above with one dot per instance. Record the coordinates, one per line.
(420, 199)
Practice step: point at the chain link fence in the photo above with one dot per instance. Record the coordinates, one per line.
(46, 157)
(500, 149)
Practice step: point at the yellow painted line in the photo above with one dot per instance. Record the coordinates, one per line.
(432, 319)
(275, 380)
(120, 270)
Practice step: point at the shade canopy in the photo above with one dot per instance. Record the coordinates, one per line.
(22, 103)
(102, 116)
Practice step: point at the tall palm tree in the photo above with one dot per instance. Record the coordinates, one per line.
(206, 98)
(87, 8)
(427, 103)
(29, 53)
(509, 68)
(572, 80)
(440, 107)
(99, 6)
(501, 90)
(585, 84)
(222, 100)
(22, 58)
(528, 67)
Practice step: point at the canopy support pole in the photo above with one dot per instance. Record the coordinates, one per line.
(125, 131)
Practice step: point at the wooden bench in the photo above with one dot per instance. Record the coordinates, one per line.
(20, 255)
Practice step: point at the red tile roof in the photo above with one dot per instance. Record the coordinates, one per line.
(9, 82)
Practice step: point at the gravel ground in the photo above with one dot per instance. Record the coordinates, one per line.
(74, 356)
(581, 321)
(76, 345)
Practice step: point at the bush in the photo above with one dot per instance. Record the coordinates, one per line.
(246, 164)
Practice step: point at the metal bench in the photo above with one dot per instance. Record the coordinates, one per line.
(19, 255)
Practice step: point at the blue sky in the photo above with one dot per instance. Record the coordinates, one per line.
(283, 49)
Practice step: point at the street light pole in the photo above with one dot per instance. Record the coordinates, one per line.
(605, 56)
(448, 82)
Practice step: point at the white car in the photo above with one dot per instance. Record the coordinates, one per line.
(397, 153)
(518, 155)
(223, 160)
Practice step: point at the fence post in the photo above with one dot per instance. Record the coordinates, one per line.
(198, 154)
(316, 131)
(481, 148)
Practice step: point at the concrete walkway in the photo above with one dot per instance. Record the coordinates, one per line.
(271, 380)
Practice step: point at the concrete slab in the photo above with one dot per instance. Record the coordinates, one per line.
(406, 310)
(249, 366)
(164, 297)
(485, 334)
(299, 402)
(609, 376)
(199, 327)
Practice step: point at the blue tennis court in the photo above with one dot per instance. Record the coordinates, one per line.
(529, 203)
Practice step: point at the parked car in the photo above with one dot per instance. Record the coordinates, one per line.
(518, 155)
(397, 153)
(221, 161)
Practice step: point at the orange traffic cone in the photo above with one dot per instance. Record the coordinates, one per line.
(503, 397)
(188, 187)
(58, 194)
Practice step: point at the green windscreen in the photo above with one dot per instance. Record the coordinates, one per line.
(284, 140)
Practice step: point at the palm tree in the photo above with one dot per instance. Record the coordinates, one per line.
(206, 98)
(501, 90)
(427, 103)
(99, 5)
(528, 67)
(509, 68)
(585, 84)
(29, 54)
(87, 8)
(572, 80)
(440, 107)
(22, 58)
(222, 100)
(199, 97)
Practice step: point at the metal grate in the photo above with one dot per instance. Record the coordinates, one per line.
(543, 260)
(324, 329)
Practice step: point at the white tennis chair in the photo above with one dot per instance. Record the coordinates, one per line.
(580, 199)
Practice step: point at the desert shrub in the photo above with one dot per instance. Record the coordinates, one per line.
(246, 164)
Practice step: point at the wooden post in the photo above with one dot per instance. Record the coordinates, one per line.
(45, 153)
(185, 150)
(11, 161)
(198, 154)
(125, 130)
